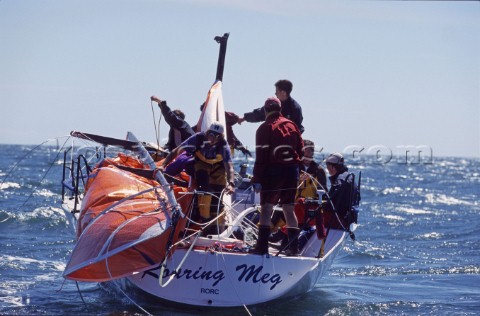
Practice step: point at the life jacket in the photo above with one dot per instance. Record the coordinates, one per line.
(315, 181)
(307, 189)
(201, 140)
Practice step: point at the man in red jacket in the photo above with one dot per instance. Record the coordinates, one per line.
(275, 173)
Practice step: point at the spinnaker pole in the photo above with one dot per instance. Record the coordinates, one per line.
(222, 40)
(145, 157)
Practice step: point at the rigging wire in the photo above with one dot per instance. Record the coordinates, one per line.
(315, 181)
(79, 292)
(107, 265)
(15, 165)
(228, 274)
(81, 296)
(156, 126)
(214, 220)
(204, 225)
(51, 164)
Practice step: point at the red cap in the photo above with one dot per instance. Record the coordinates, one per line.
(272, 104)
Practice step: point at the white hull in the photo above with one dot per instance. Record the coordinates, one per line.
(223, 279)
(216, 278)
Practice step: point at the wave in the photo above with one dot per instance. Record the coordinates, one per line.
(393, 190)
(385, 270)
(413, 211)
(431, 235)
(51, 216)
(8, 185)
(444, 199)
(25, 263)
(11, 293)
(45, 193)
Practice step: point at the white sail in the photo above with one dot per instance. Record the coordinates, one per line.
(214, 109)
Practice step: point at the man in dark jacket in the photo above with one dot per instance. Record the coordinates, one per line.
(275, 173)
(340, 192)
(180, 130)
(290, 108)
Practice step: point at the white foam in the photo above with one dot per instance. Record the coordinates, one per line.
(23, 263)
(44, 192)
(444, 199)
(42, 212)
(12, 301)
(9, 291)
(432, 235)
(7, 185)
(394, 217)
(392, 190)
(47, 277)
(414, 211)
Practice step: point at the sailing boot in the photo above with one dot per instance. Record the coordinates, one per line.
(292, 242)
(204, 201)
(261, 248)
(277, 237)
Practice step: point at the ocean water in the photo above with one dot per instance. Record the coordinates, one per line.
(417, 248)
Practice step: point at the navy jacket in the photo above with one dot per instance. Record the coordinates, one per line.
(290, 110)
(341, 191)
(180, 130)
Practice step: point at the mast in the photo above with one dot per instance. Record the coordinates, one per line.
(222, 40)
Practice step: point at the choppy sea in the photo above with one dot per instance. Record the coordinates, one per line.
(417, 248)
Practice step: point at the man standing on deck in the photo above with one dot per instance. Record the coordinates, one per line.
(290, 108)
(275, 173)
(213, 170)
(180, 130)
(312, 178)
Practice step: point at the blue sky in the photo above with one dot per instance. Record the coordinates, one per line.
(368, 74)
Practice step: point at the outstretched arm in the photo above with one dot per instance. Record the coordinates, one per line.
(257, 115)
(170, 117)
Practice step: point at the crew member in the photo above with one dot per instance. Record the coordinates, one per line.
(290, 108)
(230, 120)
(312, 175)
(340, 193)
(180, 130)
(213, 169)
(275, 173)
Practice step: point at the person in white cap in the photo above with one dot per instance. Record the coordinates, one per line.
(213, 169)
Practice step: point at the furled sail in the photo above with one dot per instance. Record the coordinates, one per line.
(125, 223)
(214, 109)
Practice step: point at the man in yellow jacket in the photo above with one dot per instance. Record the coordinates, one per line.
(312, 175)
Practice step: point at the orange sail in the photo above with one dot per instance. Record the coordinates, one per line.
(125, 225)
